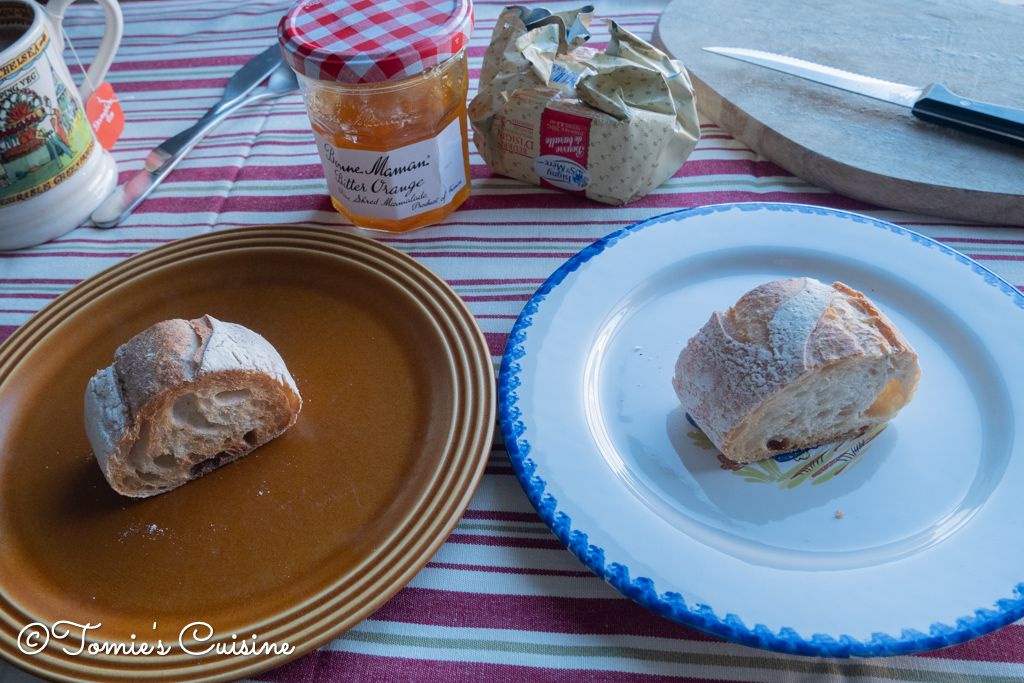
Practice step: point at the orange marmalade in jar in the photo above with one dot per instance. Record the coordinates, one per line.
(385, 84)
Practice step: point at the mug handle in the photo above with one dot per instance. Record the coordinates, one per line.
(112, 31)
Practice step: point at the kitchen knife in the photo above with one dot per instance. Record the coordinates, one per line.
(934, 103)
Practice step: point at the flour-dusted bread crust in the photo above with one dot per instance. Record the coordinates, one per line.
(794, 364)
(182, 398)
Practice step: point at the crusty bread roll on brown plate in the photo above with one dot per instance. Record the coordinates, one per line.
(182, 398)
(793, 364)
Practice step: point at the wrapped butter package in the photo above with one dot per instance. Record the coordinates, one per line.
(609, 125)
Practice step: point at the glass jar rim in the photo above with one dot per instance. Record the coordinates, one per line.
(388, 86)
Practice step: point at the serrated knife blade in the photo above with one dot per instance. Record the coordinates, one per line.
(896, 93)
(934, 103)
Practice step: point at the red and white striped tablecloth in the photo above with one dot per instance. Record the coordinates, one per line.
(502, 600)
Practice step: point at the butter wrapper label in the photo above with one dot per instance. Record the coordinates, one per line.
(564, 148)
(561, 173)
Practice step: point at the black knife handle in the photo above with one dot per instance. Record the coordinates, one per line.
(940, 105)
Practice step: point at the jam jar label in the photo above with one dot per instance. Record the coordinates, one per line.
(400, 182)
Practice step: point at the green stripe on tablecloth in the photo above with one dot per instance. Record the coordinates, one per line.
(316, 186)
(47, 287)
(491, 250)
(789, 665)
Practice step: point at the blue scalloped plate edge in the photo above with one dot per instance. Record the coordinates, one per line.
(672, 605)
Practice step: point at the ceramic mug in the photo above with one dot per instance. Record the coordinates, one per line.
(53, 172)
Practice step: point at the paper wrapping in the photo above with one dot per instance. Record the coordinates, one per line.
(609, 125)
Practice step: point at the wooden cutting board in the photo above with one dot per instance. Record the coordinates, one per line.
(859, 147)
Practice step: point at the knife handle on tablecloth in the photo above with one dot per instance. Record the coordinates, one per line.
(940, 105)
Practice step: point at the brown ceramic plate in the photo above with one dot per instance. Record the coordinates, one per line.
(294, 543)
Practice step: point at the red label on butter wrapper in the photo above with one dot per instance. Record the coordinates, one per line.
(564, 148)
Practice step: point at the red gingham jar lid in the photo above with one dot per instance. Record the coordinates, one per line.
(370, 41)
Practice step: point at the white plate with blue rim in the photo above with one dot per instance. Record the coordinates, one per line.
(903, 540)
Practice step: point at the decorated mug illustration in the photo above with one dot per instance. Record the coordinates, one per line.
(53, 172)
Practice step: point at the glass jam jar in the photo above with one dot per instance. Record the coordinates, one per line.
(385, 85)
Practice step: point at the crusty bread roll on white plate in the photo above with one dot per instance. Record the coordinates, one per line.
(794, 364)
(182, 398)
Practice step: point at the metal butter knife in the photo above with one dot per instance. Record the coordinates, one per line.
(934, 102)
(161, 160)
